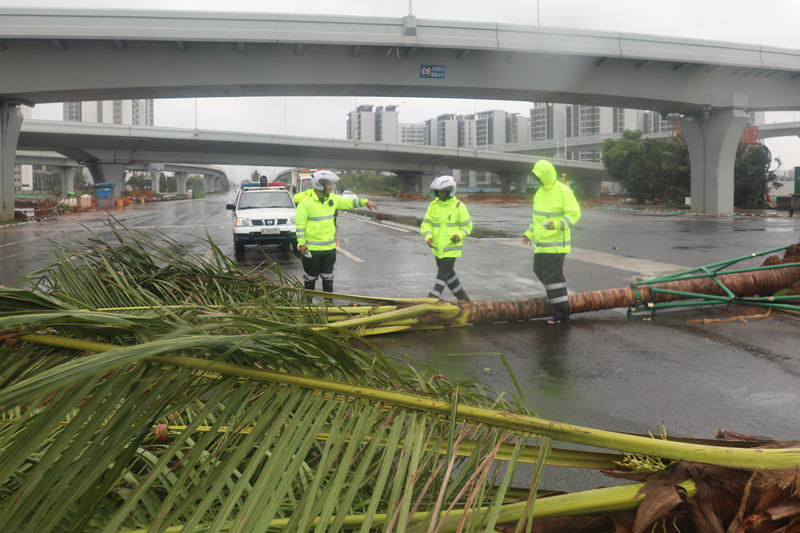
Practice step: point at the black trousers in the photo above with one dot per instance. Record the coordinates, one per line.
(549, 268)
(319, 265)
(446, 275)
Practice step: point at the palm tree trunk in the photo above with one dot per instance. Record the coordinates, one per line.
(765, 282)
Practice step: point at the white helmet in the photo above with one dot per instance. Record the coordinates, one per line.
(442, 183)
(320, 177)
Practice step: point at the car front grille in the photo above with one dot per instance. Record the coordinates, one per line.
(270, 222)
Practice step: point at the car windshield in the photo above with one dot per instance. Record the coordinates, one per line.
(263, 199)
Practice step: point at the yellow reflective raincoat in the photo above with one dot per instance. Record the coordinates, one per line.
(315, 220)
(554, 201)
(443, 219)
(304, 195)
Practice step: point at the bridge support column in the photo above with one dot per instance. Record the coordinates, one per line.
(712, 139)
(509, 180)
(110, 173)
(521, 183)
(155, 180)
(472, 179)
(410, 181)
(180, 181)
(10, 124)
(67, 179)
(208, 183)
(591, 187)
(416, 182)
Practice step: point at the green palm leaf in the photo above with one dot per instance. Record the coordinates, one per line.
(211, 403)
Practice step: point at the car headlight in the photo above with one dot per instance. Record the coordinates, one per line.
(291, 220)
(242, 222)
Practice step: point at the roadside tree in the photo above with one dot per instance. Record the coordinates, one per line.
(365, 182)
(752, 175)
(660, 169)
(649, 169)
(139, 182)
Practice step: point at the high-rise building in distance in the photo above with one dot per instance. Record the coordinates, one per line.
(378, 125)
(132, 112)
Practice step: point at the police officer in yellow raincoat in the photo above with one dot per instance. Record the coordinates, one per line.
(316, 228)
(445, 226)
(555, 212)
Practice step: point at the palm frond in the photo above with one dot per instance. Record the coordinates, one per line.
(212, 402)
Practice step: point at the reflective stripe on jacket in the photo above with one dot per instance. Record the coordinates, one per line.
(553, 201)
(315, 220)
(443, 219)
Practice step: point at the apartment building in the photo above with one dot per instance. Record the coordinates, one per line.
(491, 127)
(412, 133)
(132, 112)
(373, 125)
(654, 122)
(467, 131)
(518, 129)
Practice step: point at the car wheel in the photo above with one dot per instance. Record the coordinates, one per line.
(238, 248)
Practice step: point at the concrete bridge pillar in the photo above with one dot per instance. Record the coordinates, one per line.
(10, 124)
(180, 181)
(155, 180)
(67, 179)
(521, 183)
(515, 180)
(411, 181)
(208, 183)
(472, 179)
(590, 187)
(110, 173)
(712, 139)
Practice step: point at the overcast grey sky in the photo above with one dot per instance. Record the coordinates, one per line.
(766, 22)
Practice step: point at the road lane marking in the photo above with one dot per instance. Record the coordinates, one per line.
(387, 226)
(192, 226)
(19, 242)
(383, 225)
(12, 255)
(620, 262)
(351, 256)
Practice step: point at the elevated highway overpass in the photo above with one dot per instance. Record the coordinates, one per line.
(214, 177)
(595, 142)
(72, 54)
(108, 150)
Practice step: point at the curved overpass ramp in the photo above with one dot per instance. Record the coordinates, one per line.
(113, 148)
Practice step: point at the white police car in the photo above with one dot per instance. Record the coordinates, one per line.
(263, 215)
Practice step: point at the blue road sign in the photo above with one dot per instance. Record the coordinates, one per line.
(431, 71)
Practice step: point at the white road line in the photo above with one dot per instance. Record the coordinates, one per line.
(387, 226)
(192, 226)
(12, 255)
(390, 226)
(19, 242)
(351, 256)
(630, 264)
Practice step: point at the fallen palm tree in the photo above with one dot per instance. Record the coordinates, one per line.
(706, 285)
(210, 403)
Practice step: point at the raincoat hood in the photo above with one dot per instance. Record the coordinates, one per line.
(546, 172)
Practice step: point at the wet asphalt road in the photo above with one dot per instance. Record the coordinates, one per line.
(604, 370)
